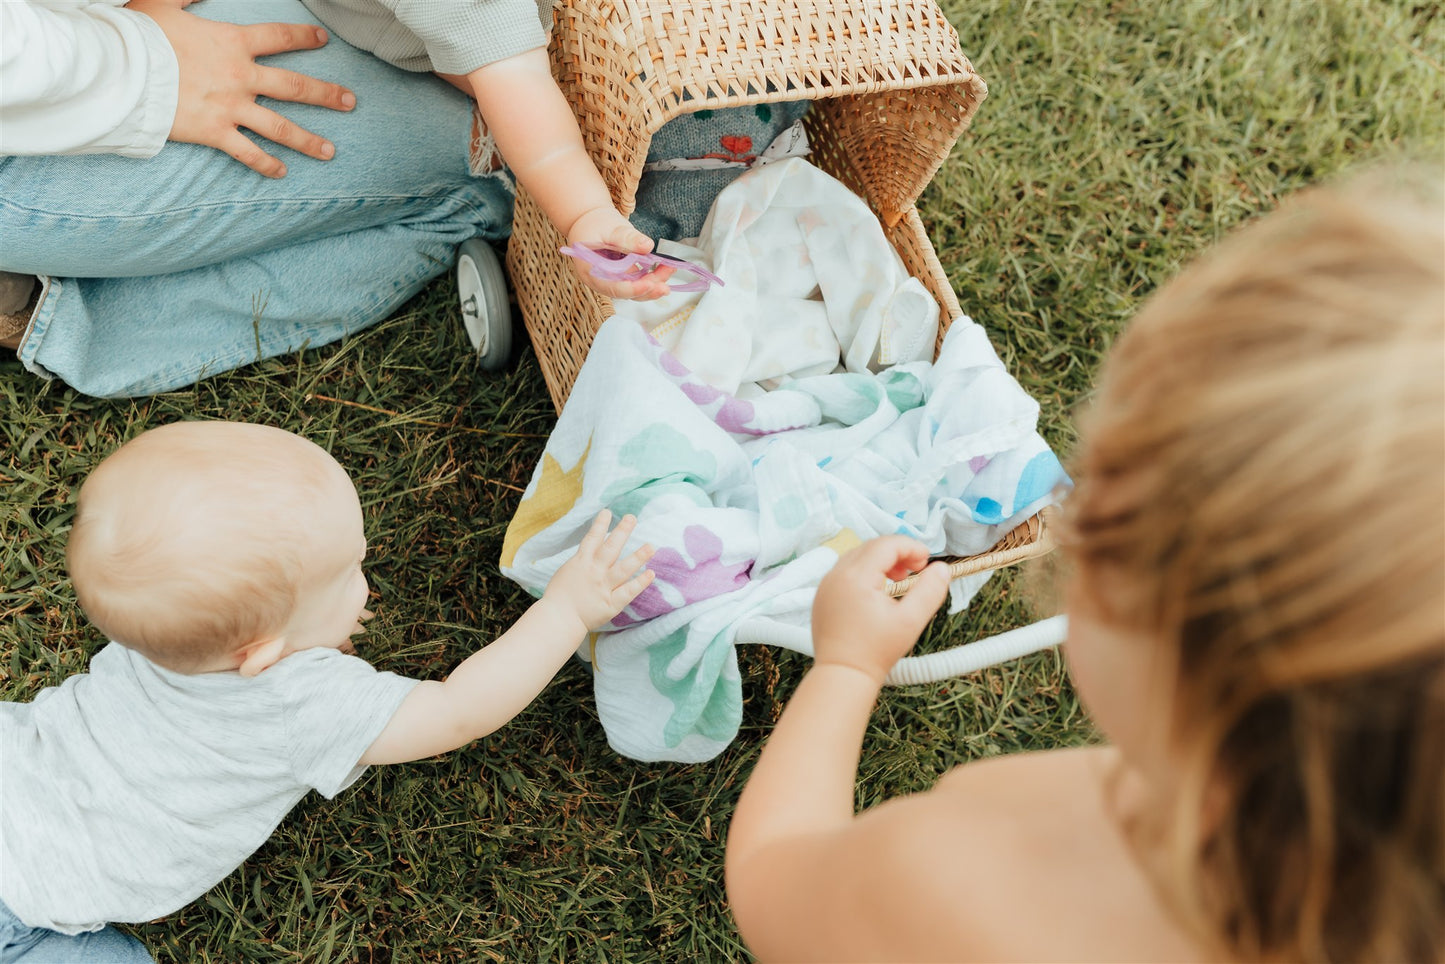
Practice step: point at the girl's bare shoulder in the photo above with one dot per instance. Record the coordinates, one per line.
(1020, 776)
(1022, 858)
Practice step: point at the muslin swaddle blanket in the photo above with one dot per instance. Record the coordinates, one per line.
(811, 279)
(751, 496)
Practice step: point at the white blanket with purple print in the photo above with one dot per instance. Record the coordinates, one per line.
(751, 500)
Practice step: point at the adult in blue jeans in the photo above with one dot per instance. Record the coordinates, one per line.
(167, 244)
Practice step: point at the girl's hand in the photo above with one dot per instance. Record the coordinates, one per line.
(856, 623)
(593, 583)
(603, 227)
(220, 81)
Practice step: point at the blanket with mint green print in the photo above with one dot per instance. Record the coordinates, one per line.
(750, 500)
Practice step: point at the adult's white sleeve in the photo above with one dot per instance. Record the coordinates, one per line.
(84, 78)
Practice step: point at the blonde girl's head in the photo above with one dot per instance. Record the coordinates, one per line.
(1261, 498)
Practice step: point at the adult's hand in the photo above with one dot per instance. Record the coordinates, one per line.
(220, 81)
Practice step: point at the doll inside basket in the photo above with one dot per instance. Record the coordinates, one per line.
(695, 155)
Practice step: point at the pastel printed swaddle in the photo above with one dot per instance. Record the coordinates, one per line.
(751, 501)
(811, 279)
(753, 475)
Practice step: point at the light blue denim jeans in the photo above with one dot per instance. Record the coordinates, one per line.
(22, 944)
(158, 272)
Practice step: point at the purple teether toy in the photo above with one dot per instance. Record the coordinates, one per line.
(613, 265)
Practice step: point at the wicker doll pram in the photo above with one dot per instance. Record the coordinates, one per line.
(892, 93)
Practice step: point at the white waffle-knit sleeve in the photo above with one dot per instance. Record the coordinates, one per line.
(448, 36)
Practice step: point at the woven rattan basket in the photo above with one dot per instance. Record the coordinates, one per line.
(892, 92)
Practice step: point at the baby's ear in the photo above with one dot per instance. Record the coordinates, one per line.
(261, 655)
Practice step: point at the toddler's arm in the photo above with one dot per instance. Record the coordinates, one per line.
(793, 846)
(1016, 858)
(498, 681)
(537, 134)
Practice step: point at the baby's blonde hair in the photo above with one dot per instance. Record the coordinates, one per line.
(1261, 490)
(186, 541)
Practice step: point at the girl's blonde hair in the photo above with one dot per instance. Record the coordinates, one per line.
(1261, 489)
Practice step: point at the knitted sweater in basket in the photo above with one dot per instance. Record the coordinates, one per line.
(447, 36)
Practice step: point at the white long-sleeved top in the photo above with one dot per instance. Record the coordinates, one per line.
(81, 77)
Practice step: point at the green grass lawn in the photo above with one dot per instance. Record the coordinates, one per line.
(1118, 139)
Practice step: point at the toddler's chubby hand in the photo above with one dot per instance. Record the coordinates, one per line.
(603, 227)
(856, 623)
(594, 583)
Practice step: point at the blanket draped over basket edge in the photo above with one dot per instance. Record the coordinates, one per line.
(751, 500)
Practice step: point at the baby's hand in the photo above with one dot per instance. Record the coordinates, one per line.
(603, 227)
(856, 623)
(593, 582)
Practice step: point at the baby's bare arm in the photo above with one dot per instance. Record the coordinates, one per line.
(490, 687)
(537, 135)
(498, 681)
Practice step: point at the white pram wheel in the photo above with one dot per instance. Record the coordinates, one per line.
(482, 287)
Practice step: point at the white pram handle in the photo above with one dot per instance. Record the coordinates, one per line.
(930, 667)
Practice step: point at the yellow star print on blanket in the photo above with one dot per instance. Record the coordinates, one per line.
(555, 495)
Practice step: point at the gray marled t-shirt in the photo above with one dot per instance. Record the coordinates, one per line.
(448, 36)
(128, 791)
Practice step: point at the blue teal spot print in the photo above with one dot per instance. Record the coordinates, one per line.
(987, 511)
(1038, 479)
(790, 512)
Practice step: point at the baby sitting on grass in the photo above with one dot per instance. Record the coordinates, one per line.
(223, 560)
